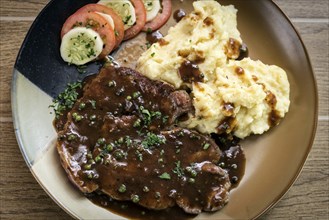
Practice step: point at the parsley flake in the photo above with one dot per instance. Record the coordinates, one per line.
(165, 176)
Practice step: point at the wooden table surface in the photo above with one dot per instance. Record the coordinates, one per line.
(23, 198)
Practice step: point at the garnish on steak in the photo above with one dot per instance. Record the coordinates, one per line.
(120, 138)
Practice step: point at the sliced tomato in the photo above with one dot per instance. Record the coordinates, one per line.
(161, 18)
(118, 24)
(140, 19)
(95, 21)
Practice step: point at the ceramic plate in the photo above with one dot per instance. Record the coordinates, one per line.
(273, 160)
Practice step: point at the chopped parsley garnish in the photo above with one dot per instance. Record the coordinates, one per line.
(178, 169)
(165, 176)
(156, 114)
(165, 119)
(128, 141)
(81, 69)
(149, 30)
(206, 146)
(148, 45)
(152, 140)
(93, 103)
(127, 18)
(139, 155)
(137, 123)
(66, 99)
(148, 116)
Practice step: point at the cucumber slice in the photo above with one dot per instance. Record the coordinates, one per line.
(124, 9)
(152, 9)
(108, 18)
(81, 45)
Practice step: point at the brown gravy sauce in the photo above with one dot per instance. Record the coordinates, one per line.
(133, 211)
(232, 48)
(239, 70)
(154, 36)
(233, 159)
(244, 52)
(179, 14)
(226, 125)
(274, 116)
(190, 72)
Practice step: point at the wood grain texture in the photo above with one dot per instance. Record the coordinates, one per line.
(304, 8)
(21, 8)
(22, 197)
(12, 36)
(293, 8)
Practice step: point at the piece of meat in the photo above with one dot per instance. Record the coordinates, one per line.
(123, 142)
(212, 200)
(168, 173)
(114, 90)
(118, 97)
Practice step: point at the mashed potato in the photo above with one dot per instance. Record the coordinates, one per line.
(244, 96)
(201, 35)
(229, 96)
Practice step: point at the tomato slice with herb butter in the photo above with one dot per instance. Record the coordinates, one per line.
(96, 22)
(124, 8)
(118, 24)
(161, 18)
(152, 9)
(140, 19)
(133, 18)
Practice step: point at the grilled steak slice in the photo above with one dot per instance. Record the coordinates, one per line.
(215, 180)
(119, 139)
(158, 170)
(123, 91)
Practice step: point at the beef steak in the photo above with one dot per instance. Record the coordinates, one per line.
(120, 138)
